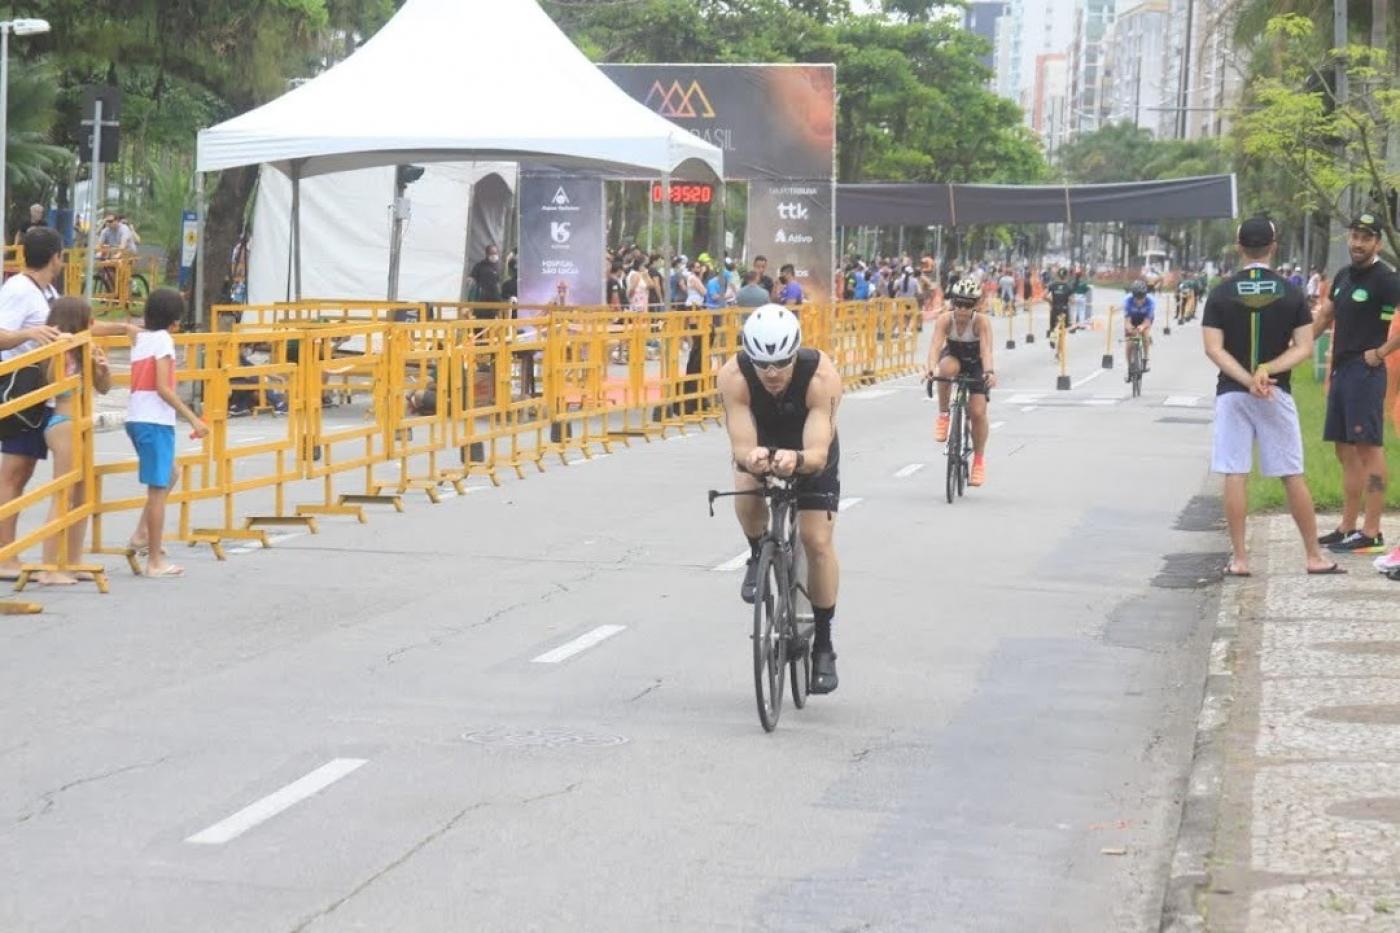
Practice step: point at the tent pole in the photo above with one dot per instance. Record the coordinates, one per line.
(666, 218)
(651, 211)
(722, 205)
(296, 222)
(199, 211)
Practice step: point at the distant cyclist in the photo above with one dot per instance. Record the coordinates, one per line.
(780, 404)
(1139, 313)
(962, 345)
(1060, 292)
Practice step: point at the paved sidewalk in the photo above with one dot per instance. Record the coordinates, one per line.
(1307, 836)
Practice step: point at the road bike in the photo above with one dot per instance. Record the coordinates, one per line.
(959, 448)
(782, 609)
(1137, 355)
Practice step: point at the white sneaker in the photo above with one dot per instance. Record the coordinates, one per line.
(1388, 562)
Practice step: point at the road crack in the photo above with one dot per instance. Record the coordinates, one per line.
(49, 798)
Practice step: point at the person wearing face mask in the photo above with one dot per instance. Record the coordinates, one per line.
(486, 277)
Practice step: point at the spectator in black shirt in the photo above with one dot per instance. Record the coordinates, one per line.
(765, 281)
(1257, 329)
(1362, 302)
(486, 276)
(510, 288)
(35, 219)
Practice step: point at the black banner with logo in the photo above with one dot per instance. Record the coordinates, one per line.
(561, 240)
(791, 222)
(771, 121)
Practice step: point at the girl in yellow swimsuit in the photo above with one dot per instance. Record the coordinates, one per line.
(72, 316)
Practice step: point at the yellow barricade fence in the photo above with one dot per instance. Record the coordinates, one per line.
(422, 365)
(197, 358)
(69, 493)
(579, 361)
(234, 317)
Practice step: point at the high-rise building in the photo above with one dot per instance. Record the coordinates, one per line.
(1029, 29)
(980, 18)
(1134, 62)
(1203, 77)
(1086, 65)
(1050, 100)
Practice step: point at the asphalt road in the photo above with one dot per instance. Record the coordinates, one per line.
(382, 727)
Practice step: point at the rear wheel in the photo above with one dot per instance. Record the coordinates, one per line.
(140, 288)
(768, 649)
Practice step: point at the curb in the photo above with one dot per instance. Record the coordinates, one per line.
(1200, 806)
(104, 421)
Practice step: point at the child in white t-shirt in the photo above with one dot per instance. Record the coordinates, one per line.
(150, 421)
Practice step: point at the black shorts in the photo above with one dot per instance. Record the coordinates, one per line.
(971, 368)
(1356, 405)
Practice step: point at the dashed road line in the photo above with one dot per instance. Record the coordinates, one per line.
(585, 641)
(1090, 378)
(845, 505)
(1181, 401)
(734, 563)
(910, 470)
(265, 809)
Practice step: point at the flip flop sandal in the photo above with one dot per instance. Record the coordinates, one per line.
(1230, 571)
(169, 570)
(1334, 570)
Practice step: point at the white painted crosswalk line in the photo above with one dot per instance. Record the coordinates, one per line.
(1181, 401)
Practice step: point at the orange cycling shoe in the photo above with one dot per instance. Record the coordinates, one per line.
(979, 472)
(940, 431)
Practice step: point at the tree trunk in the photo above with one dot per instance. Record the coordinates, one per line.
(222, 226)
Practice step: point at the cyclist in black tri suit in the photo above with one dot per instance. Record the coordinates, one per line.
(780, 403)
(1060, 292)
(962, 345)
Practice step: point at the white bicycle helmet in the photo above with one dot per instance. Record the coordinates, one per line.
(771, 334)
(966, 290)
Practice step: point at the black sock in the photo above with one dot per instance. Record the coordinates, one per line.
(823, 617)
(753, 546)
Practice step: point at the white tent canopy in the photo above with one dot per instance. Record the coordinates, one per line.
(455, 80)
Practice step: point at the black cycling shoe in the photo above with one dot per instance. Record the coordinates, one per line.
(1334, 537)
(824, 678)
(746, 591)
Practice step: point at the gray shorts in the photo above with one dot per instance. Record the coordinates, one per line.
(1241, 421)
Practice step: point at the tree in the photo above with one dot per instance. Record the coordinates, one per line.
(32, 165)
(1321, 149)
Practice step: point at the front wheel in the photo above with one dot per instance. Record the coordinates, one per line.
(954, 455)
(769, 651)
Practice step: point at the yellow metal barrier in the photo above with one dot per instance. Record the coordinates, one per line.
(309, 313)
(580, 354)
(422, 364)
(1108, 337)
(1062, 381)
(65, 512)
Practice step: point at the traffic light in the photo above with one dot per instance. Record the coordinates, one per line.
(405, 175)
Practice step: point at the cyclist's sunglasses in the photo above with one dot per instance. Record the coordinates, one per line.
(964, 302)
(776, 365)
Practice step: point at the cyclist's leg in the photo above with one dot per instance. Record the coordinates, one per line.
(752, 512)
(948, 368)
(977, 411)
(816, 525)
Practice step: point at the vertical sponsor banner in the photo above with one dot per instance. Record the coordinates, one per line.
(561, 240)
(792, 222)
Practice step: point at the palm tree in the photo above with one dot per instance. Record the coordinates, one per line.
(33, 164)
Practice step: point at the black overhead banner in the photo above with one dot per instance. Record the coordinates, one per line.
(1205, 198)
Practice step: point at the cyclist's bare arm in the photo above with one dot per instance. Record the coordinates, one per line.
(823, 400)
(738, 416)
(940, 337)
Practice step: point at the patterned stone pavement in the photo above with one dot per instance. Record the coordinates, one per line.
(1307, 836)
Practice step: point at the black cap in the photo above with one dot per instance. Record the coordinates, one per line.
(1256, 232)
(1368, 222)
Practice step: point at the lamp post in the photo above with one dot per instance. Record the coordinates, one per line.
(20, 27)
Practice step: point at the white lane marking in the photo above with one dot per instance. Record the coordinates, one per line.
(1023, 399)
(582, 460)
(734, 563)
(846, 505)
(908, 471)
(1100, 401)
(869, 393)
(271, 539)
(1182, 401)
(997, 424)
(1090, 378)
(582, 643)
(265, 809)
(1030, 408)
(677, 437)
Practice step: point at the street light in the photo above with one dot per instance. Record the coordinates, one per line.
(20, 27)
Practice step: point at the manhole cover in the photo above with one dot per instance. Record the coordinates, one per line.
(542, 738)
(1387, 648)
(1379, 715)
(1382, 809)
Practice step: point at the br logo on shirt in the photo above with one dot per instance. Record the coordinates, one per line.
(1360, 295)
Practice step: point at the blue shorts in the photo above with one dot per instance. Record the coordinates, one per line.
(30, 444)
(155, 448)
(1356, 405)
